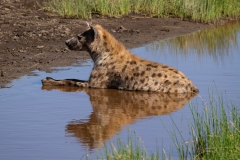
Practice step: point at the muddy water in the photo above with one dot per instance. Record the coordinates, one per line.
(66, 123)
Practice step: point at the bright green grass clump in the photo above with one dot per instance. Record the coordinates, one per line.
(215, 132)
(132, 150)
(198, 10)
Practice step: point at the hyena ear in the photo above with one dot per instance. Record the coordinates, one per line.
(95, 31)
(89, 26)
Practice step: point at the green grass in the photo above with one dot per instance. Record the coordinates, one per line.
(197, 10)
(216, 131)
(214, 134)
(70, 8)
(134, 149)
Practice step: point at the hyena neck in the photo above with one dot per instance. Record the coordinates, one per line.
(96, 57)
(98, 54)
(104, 45)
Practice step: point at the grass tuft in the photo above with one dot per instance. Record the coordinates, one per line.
(217, 131)
(197, 10)
(134, 149)
(214, 132)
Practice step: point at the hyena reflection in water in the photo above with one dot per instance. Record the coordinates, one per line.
(117, 68)
(114, 109)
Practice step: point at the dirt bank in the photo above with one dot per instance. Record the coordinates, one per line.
(33, 39)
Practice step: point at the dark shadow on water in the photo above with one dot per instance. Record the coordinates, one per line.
(112, 109)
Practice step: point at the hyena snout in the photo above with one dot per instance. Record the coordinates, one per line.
(73, 44)
(67, 42)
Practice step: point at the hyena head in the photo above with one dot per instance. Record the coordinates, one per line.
(97, 41)
(82, 41)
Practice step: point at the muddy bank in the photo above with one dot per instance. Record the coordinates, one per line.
(33, 39)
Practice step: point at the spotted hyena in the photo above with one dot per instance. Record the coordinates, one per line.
(117, 68)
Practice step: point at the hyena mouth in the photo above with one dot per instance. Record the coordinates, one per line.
(71, 45)
(67, 42)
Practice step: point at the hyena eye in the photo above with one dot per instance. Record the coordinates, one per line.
(79, 37)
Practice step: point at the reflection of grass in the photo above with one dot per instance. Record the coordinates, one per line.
(199, 10)
(215, 42)
(214, 134)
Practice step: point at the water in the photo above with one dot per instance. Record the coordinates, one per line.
(66, 123)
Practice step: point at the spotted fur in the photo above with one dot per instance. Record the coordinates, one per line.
(117, 68)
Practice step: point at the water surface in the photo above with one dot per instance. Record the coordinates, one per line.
(66, 123)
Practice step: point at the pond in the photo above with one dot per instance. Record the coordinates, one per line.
(67, 123)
